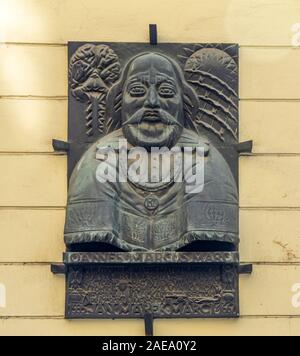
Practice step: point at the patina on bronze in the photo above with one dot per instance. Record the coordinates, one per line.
(177, 250)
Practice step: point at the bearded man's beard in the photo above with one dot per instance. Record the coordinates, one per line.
(152, 135)
(155, 128)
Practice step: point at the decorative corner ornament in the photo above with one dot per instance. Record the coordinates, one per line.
(93, 69)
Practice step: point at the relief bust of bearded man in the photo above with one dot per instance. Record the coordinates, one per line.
(152, 105)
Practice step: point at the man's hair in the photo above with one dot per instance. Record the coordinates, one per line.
(115, 96)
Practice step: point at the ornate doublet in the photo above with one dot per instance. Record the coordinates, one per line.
(161, 218)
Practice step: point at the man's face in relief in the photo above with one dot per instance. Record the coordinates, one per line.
(152, 109)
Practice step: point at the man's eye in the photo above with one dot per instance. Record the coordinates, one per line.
(138, 90)
(166, 91)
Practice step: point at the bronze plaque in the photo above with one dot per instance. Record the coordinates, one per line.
(170, 110)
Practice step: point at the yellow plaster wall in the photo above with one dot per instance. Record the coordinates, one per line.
(33, 186)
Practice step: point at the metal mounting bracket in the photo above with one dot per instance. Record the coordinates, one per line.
(246, 268)
(244, 147)
(58, 268)
(60, 146)
(148, 324)
(153, 34)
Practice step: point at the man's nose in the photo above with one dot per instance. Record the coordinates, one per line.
(152, 98)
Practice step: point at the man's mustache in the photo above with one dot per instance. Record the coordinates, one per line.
(163, 116)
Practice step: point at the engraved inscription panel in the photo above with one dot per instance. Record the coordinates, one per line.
(166, 291)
